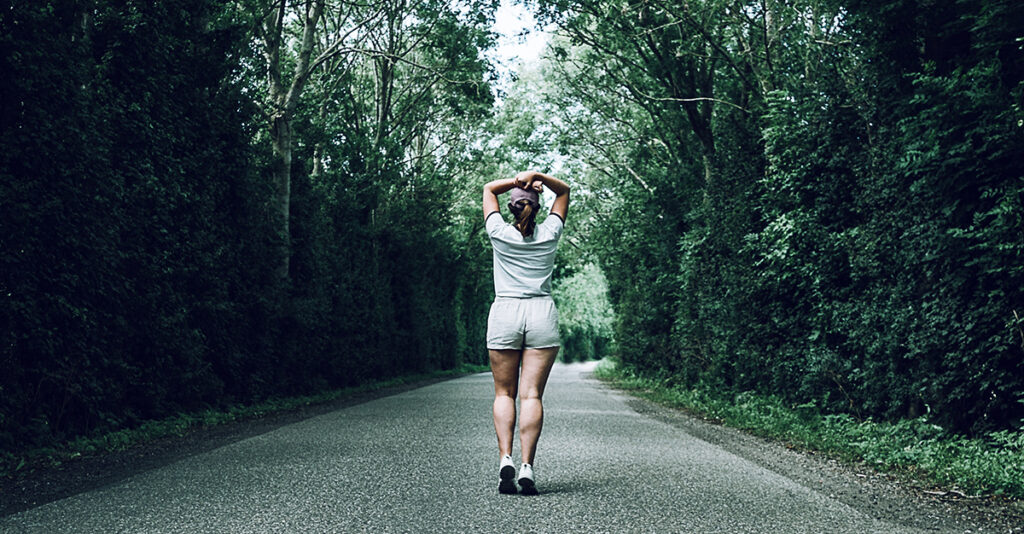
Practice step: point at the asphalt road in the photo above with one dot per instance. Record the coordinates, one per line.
(426, 461)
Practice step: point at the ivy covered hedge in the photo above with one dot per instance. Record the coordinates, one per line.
(822, 201)
(138, 249)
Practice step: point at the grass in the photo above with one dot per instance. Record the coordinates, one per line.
(182, 424)
(991, 465)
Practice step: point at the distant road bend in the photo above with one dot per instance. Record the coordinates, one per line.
(425, 460)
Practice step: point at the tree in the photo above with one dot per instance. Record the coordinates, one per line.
(288, 35)
(790, 204)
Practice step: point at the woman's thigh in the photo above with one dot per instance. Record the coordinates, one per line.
(505, 369)
(537, 365)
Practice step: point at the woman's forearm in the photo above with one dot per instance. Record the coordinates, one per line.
(556, 186)
(501, 185)
(491, 192)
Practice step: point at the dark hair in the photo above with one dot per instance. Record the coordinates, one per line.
(525, 215)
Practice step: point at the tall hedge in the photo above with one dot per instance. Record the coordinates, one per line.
(136, 243)
(820, 201)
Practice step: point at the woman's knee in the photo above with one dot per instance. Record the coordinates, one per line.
(531, 395)
(537, 365)
(504, 392)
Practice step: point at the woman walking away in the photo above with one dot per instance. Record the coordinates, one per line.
(522, 328)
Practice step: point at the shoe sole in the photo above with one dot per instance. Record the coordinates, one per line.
(506, 485)
(527, 486)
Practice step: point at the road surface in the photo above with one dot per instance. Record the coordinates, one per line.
(426, 460)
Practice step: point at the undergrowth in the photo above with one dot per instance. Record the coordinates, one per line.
(182, 424)
(988, 465)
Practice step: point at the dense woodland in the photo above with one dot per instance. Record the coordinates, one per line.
(208, 203)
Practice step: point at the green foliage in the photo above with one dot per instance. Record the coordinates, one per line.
(585, 316)
(126, 197)
(818, 202)
(139, 240)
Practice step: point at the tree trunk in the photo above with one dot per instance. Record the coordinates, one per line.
(283, 102)
(318, 147)
(281, 140)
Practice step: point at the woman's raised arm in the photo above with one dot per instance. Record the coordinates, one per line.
(491, 192)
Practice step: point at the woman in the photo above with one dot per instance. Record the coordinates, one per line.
(522, 328)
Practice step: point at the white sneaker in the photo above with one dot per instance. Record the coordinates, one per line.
(506, 473)
(526, 482)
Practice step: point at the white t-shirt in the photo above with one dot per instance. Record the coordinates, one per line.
(523, 265)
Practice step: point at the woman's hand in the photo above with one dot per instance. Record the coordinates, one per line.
(528, 180)
(525, 180)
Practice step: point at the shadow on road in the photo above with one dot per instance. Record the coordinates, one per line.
(37, 487)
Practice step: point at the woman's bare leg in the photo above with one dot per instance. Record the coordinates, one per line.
(537, 365)
(505, 368)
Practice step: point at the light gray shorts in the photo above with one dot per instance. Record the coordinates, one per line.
(529, 323)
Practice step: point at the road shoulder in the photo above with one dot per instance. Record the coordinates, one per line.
(877, 495)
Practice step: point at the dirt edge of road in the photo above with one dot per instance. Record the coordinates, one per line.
(874, 494)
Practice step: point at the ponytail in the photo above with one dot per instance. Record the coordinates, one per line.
(525, 220)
